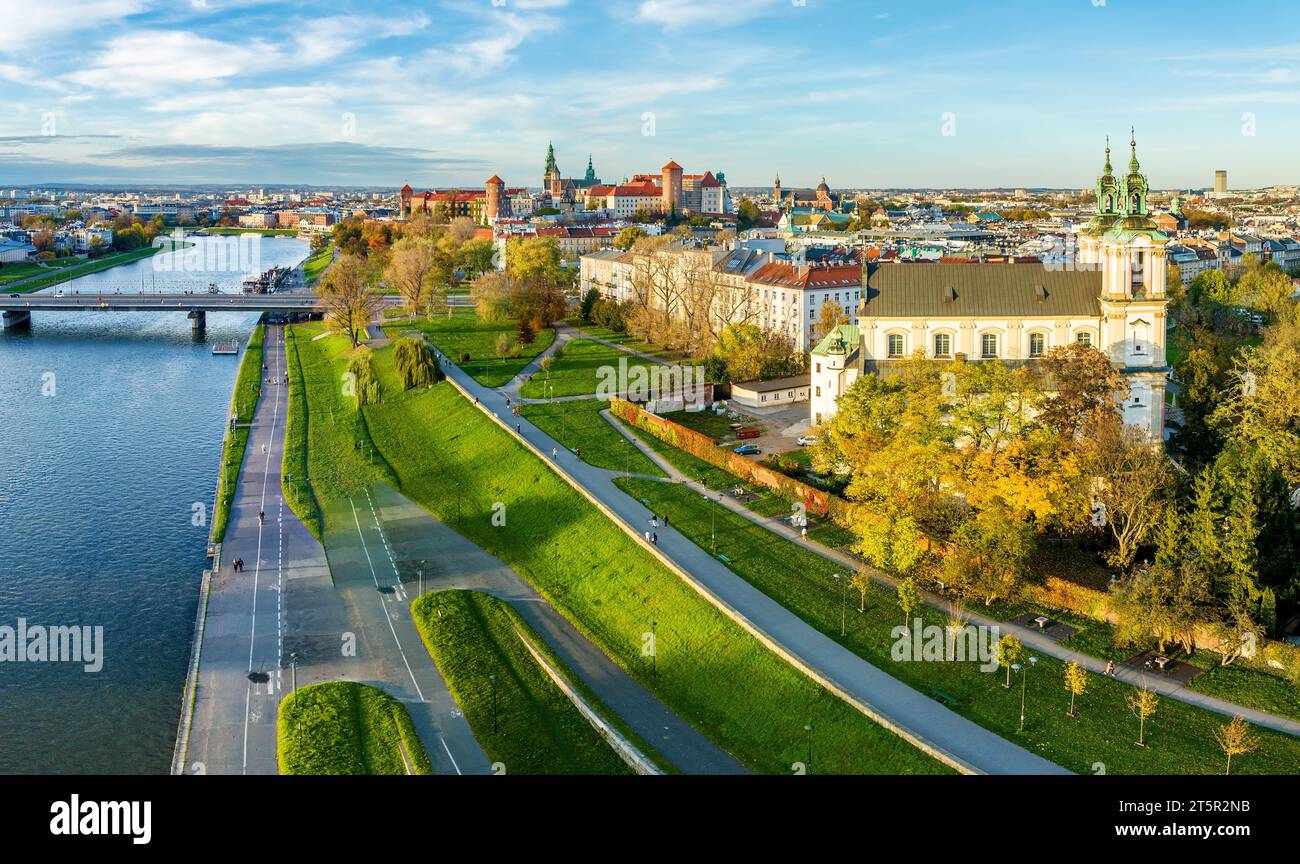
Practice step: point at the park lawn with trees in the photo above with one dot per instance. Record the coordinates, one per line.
(456, 463)
(248, 387)
(578, 424)
(342, 727)
(1180, 737)
(463, 332)
(582, 367)
(521, 719)
(627, 340)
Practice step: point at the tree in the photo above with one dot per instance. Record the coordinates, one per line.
(1142, 702)
(989, 555)
(1010, 650)
(627, 238)
(861, 582)
(1211, 285)
(589, 301)
(416, 365)
(831, 316)
(349, 304)
(1129, 480)
(1076, 681)
(1235, 740)
(1081, 383)
(752, 353)
(503, 345)
(363, 376)
(908, 599)
(491, 294)
(477, 256)
(414, 269)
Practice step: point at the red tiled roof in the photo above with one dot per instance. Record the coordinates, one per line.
(791, 276)
(494, 180)
(672, 166)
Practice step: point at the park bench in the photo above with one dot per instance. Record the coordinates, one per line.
(945, 698)
(723, 558)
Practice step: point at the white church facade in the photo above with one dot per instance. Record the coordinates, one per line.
(1112, 296)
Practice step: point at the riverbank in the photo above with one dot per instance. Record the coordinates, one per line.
(243, 402)
(67, 273)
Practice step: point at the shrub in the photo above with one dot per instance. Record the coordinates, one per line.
(416, 366)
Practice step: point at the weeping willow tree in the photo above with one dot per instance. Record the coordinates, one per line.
(416, 366)
(362, 377)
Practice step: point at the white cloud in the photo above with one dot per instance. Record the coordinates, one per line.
(29, 25)
(712, 14)
(153, 60)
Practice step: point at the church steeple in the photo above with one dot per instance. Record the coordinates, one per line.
(550, 160)
(1135, 186)
(591, 170)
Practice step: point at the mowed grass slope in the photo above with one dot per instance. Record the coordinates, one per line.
(248, 388)
(523, 720)
(578, 424)
(458, 464)
(465, 333)
(1180, 737)
(581, 369)
(341, 727)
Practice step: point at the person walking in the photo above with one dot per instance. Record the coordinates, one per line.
(261, 516)
(1110, 668)
(654, 538)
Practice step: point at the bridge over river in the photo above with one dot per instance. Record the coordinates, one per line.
(17, 309)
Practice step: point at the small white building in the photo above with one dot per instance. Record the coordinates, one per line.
(774, 393)
(13, 251)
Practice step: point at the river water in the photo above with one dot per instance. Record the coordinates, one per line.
(112, 425)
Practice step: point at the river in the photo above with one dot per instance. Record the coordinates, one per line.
(112, 426)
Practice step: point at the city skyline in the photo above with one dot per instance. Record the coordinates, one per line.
(447, 94)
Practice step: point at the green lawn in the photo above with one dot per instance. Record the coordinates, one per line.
(464, 333)
(452, 460)
(326, 439)
(316, 263)
(578, 424)
(243, 403)
(1179, 736)
(341, 727)
(522, 720)
(582, 368)
(627, 341)
(706, 423)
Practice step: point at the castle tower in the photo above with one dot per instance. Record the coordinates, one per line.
(495, 189)
(405, 195)
(672, 187)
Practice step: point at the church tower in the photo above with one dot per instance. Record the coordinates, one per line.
(776, 190)
(552, 183)
(1129, 250)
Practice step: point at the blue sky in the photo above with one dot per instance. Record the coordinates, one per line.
(447, 92)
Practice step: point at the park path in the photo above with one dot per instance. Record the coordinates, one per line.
(417, 552)
(1032, 638)
(945, 734)
(285, 603)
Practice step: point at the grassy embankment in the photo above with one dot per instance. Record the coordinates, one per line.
(522, 719)
(627, 341)
(578, 424)
(456, 463)
(314, 267)
(341, 727)
(107, 262)
(1180, 737)
(581, 369)
(464, 333)
(243, 403)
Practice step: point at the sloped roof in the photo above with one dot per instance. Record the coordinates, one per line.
(852, 338)
(980, 290)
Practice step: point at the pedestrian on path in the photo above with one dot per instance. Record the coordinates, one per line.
(555, 453)
(654, 538)
(261, 517)
(803, 532)
(519, 429)
(1110, 667)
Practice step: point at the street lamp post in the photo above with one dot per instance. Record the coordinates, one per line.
(654, 650)
(842, 578)
(493, 676)
(809, 729)
(1024, 678)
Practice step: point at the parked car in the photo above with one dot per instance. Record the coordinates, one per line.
(747, 450)
(807, 440)
(748, 432)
